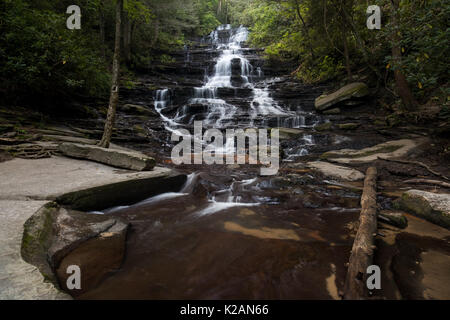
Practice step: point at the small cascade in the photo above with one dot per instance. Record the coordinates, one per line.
(227, 198)
(301, 149)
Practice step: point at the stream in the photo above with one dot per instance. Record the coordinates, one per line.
(230, 233)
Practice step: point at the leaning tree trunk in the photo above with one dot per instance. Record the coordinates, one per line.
(114, 97)
(102, 28)
(403, 89)
(355, 287)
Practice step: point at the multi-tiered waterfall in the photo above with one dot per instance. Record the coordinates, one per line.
(211, 102)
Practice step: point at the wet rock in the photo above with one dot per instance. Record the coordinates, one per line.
(335, 171)
(397, 219)
(332, 111)
(71, 228)
(354, 90)
(195, 108)
(237, 81)
(324, 126)
(117, 158)
(349, 126)
(291, 180)
(97, 247)
(138, 110)
(55, 238)
(434, 207)
(288, 133)
(6, 128)
(388, 150)
(236, 67)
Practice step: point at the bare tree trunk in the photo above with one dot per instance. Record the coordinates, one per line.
(305, 28)
(114, 97)
(127, 39)
(362, 252)
(102, 28)
(403, 89)
(347, 57)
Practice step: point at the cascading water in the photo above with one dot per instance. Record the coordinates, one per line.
(231, 70)
(220, 113)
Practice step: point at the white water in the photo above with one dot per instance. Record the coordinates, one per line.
(225, 199)
(221, 114)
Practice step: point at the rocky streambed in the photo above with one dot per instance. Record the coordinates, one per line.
(225, 232)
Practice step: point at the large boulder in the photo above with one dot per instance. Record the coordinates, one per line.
(116, 158)
(55, 238)
(434, 207)
(335, 171)
(387, 150)
(97, 247)
(346, 94)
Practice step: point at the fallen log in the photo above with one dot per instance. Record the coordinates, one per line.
(417, 163)
(355, 287)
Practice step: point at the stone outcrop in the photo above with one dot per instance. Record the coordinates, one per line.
(335, 171)
(138, 110)
(289, 133)
(434, 207)
(345, 95)
(94, 243)
(117, 158)
(397, 219)
(55, 238)
(324, 126)
(387, 150)
(349, 126)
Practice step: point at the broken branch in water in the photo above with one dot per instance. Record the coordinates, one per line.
(432, 182)
(418, 163)
(362, 251)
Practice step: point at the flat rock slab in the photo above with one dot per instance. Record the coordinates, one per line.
(48, 179)
(289, 133)
(27, 185)
(18, 279)
(130, 160)
(434, 207)
(387, 150)
(335, 171)
(354, 90)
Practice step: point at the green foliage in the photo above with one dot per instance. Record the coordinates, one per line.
(425, 43)
(39, 56)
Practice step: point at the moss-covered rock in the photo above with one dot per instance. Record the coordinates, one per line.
(397, 219)
(53, 233)
(434, 207)
(332, 111)
(289, 133)
(137, 110)
(355, 90)
(37, 239)
(324, 126)
(390, 149)
(349, 126)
